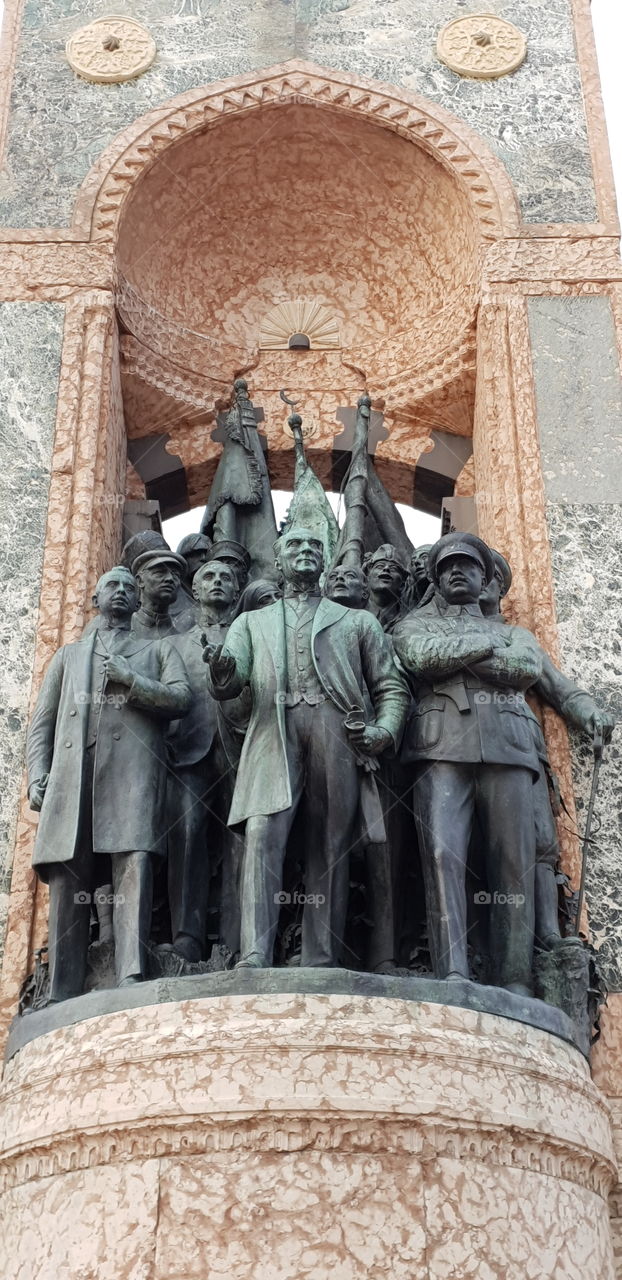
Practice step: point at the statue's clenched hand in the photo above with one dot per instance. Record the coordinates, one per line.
(599, 723)
(117, 668)
(36, 794)
(371, 741)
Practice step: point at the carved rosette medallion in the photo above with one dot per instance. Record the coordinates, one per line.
(111, 50)
(481, 46)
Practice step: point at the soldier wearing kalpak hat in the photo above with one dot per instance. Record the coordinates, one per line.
(386, 569)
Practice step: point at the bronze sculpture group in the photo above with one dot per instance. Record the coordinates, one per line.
(234, 711)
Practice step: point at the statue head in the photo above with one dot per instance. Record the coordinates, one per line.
(460, 566)
(158, 574)
(386, 571)
(194, 549)
(146, 540)
(216, 585)
(299, 557)
(116, 595)
(347, 584)
(227, 551)
(498, 587)
(419, 568)
(258, 594)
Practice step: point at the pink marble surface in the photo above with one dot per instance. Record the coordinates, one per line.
(282, 1137)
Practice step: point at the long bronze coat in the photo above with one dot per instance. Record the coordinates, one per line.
(129, 788)
(350, 653)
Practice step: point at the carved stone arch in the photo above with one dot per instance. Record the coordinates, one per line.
(457, 147)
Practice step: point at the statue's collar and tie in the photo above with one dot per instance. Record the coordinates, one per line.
(458, 610)
(293, 593)
(110, 637)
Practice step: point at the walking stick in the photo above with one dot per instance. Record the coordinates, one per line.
(598, 756)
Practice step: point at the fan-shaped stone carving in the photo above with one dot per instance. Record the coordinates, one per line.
(299, 316)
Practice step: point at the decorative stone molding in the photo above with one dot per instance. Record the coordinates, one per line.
(429, 1140)
(177, 344)
(510, 501)
(174, 359)
(311, 318)
(284, 1113)
(111, 50)
(594, 258)
(413, 384)
(481, 46)
(102, 195)
(181, 384)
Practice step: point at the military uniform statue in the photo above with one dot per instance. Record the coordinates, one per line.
(473, 751)
(202, 773)
(158, 574)
(578, 709)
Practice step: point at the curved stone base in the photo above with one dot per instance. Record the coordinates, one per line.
(288, 1136)
(263, 982)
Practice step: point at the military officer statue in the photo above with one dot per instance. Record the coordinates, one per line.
(97, 772)
(578, 709)
(307, 660)
(474, 754)
(202, 774)
(158, 573)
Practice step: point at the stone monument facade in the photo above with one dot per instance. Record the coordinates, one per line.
(355, 205)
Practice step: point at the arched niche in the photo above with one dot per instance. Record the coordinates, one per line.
(232, 204)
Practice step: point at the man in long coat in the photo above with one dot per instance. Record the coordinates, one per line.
(308, 661)
(97, 772)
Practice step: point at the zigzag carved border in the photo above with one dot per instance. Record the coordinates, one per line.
(452, 143)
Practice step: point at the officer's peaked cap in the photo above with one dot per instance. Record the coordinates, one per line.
(461, 544)
(150, 558)
(228, 549)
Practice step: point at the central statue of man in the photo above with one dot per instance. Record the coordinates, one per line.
(314, 667)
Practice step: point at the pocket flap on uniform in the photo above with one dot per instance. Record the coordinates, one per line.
(427, 725)
(515, 727)
(428, 704)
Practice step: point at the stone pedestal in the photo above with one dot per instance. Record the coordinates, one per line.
(282, 1136)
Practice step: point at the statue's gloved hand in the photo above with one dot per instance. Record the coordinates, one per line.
(118, 669)
(36, 794)
(371, 741)
(222, 666)
(599, 723)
